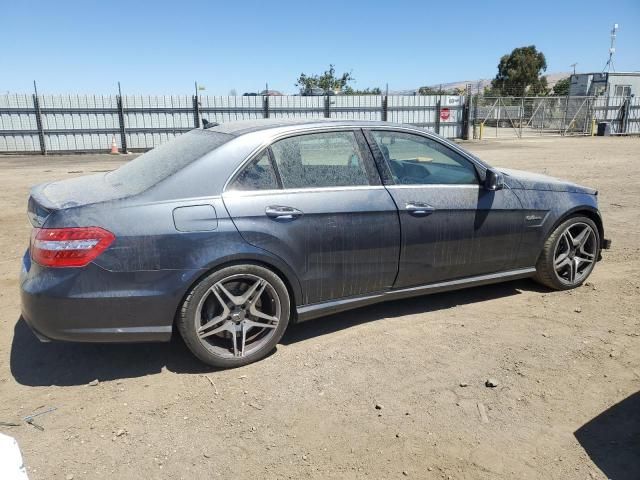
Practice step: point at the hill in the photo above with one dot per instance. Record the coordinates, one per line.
(552, 79)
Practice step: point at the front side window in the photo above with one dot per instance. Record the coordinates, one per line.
(258, 175)
(331, 159)
(417, 160)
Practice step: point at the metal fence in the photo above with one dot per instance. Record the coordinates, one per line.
(89, 123)
(86, 123)
(503, 117)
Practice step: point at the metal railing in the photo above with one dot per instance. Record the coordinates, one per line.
(86, 123)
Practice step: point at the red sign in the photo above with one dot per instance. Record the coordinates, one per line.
(445, 113)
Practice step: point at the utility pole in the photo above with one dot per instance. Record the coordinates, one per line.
(574, 67)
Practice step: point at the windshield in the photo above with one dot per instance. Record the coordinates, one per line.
(154, 166)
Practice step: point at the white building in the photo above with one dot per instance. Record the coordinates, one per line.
(613, 84)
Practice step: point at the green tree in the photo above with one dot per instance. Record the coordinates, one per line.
(367, 91)
(327, 80)
(561, 88)
(490, 91)
(431, 91)
(519, 73)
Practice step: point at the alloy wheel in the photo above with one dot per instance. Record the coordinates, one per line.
(575, 253)
(238, 315)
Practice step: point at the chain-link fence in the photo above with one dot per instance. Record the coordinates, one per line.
(518, 117)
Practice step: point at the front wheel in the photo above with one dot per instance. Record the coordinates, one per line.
(569, 254)
(235, 316)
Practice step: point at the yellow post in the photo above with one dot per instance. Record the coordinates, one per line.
(593, 126)
(481, 130)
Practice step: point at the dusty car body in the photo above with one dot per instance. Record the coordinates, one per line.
(326, 208)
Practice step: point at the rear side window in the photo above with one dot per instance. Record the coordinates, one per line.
(331, 159)
(417, 160)
(258, 175)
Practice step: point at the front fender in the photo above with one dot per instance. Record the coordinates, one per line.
(544, 211)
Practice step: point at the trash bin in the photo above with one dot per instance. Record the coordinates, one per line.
(604, 129)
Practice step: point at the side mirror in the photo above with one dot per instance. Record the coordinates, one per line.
(493, 180)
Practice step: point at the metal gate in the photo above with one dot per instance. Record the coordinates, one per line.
(519, 117)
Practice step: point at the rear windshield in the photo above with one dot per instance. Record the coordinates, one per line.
(154, 166)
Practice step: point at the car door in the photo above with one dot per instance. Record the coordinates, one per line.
(316, 201)
(451, 227)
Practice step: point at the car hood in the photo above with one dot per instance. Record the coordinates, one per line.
(536, 181)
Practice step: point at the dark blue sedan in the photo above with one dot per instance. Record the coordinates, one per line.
(231, 233)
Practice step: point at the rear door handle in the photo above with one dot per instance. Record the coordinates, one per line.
(278, 212)
(419, 209)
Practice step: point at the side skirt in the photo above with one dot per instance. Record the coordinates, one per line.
(309, 312)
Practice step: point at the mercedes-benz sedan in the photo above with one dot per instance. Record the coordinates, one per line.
(231, 233)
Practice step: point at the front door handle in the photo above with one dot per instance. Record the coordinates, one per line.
(419, 209)
(278, 212)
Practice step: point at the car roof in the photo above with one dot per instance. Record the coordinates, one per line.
(242, 127)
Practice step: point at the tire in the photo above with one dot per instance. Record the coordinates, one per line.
(552, 269)
(234, 336)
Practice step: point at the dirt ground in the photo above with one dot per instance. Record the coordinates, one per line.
(567, 367)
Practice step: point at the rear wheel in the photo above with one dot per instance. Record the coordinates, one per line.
(569, 254)
(235, 316)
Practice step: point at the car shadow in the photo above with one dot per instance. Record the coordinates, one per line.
(410, 306)
(612, 439)
(34, 363)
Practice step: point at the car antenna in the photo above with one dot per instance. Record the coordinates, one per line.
(207, 124)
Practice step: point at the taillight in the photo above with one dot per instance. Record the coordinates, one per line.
(69, 247)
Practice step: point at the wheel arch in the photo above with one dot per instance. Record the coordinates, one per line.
(545, 265)
(282, 270)
(581, 210)
(585, 210)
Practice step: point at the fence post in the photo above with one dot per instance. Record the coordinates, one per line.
(196, 111)
(466, 113)
(327, 107)
(385, 108)
(265, 106)
(624, 124)
(475, 112)
(438, 108)
(36, 106)
(564, 117)
(123, 133)
(606, 109)
(521, 116)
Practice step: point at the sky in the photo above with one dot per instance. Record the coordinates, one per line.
(163, 47)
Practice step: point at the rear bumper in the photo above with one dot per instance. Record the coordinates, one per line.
(91, 304)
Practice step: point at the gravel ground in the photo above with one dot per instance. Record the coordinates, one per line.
(389, 391)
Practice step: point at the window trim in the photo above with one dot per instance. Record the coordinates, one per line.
(293, 191)
(274, 165)
(385, 169)
(371, 169)
(623, 87)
